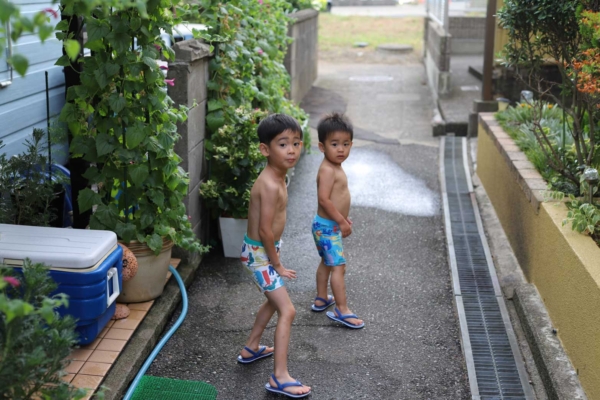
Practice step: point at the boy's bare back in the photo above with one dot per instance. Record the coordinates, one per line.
(268, 200)
(333, 183)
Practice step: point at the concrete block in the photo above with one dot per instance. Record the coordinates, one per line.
(191, 50)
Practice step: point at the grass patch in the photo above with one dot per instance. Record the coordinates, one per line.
(337, 32)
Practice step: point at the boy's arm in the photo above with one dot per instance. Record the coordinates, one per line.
(325, 181)
(268, 204)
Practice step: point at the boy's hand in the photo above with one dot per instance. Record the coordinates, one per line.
(349, 221)
(346, 229)
(285, 273)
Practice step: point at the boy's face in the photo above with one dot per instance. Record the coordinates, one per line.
(284, 149)
(337, 147)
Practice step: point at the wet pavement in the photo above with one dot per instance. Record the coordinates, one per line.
(397, 276)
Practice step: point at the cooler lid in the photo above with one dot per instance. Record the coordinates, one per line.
(55, 247)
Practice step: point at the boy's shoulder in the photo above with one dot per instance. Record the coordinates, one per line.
(266, 184)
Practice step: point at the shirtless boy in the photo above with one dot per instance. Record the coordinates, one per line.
(280, 142)
(331, 223)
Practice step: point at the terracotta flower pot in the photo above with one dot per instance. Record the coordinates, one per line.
(149, 281)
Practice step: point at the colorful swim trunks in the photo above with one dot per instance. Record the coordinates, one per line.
(255, 259)
(328, 238)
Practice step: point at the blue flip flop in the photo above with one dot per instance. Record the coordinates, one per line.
(339, 317)
(329, 302)
(256, 355)
(281, 386)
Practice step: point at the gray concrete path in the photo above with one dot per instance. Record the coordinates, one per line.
(397, 278)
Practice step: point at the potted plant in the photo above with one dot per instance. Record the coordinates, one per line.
(29, 193)
(236, 162)
(124, 124)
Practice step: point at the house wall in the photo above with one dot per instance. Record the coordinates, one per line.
(23, 101)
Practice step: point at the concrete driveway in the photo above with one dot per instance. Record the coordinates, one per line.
(397, 278)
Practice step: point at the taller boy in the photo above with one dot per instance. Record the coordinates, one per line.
(332, 222)
(280, 142)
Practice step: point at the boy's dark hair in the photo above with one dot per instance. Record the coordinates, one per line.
(275, 124)
(334, 122)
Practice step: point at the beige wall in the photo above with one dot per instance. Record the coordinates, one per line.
(562, 264)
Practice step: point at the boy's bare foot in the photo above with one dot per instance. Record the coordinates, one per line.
(282, 380)
(246, 354)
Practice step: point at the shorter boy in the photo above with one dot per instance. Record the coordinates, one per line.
(280, 142)
(332, 223)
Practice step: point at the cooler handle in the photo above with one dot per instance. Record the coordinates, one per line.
(113, 275)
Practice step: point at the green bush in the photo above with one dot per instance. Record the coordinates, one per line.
(247, 73)
(34, 339)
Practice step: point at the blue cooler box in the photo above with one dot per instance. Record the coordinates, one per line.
(86, 265)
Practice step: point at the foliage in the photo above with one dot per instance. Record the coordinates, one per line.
(247, 72)
(124, 124)
(39, 23)
(306, 4)
(235, 153)
(26, 191)
(560, 31)
(34, 339)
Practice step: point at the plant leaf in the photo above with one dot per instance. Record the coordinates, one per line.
(87, 199)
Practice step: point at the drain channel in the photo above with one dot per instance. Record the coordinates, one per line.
(494, 362)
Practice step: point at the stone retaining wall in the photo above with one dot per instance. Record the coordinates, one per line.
(190, 70)
(563, 265)
(437, 57)
(302, 58)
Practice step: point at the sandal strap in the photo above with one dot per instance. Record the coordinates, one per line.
(261, 349)
(281, 386)
(344, 316)
(323, 300)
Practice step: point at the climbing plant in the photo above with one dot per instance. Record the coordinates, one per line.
(124, 124)
(247, 73)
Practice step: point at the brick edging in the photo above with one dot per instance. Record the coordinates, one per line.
(148, 334)
(529, 179)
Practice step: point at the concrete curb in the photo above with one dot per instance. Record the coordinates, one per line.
(147, 334)
(558, 376)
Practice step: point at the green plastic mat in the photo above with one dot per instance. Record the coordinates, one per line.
(156, 388)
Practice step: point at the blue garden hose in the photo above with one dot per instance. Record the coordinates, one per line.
(165, 338)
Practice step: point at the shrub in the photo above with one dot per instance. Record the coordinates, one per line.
(247, 73)
(34, 339)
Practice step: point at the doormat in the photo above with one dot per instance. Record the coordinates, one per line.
(157, 388)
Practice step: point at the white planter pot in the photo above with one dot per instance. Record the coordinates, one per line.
(232, 235)
(149, 281)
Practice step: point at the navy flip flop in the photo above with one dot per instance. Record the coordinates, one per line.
(256, 355)
(281, 386)
(329, 302)
(341, 318)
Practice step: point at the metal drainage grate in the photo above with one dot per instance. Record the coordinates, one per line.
(494, 363)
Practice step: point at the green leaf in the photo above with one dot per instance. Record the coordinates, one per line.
(214, 105)
(155, 243)
(111, 69)
(97, 29)
(134, 136)
(107, 215)
(146, 220)
(215, 120)
(138, 173)
(72, 48)
(104, 144)
(87, 199)
(69, 113)
(19, 63)
(63, 61)
(117, 102)
(101, 78)
(125, 231)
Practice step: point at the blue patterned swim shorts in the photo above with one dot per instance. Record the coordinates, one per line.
(257, 263)
(328, 238)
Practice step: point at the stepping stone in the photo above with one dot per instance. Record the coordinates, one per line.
(395, 48)
(361, 44)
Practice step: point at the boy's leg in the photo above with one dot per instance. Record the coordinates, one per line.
(265, 312)
(338, 287)
(323, 273)
(281, 301)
